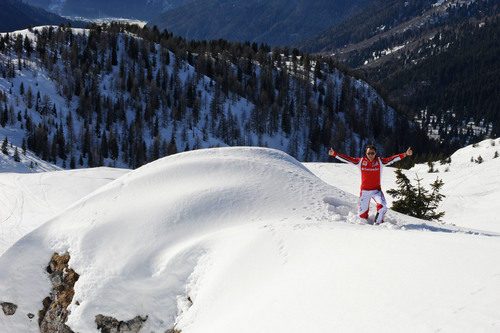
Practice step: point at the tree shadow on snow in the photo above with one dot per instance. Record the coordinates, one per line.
(432, 228)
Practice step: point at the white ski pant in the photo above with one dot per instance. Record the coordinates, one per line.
(364, 204)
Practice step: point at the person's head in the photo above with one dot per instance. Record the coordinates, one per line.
(370, 152)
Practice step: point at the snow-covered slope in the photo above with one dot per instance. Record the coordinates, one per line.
(176, 104)
(472, 189)
(28, 162)
(28, 200)
(249, 240)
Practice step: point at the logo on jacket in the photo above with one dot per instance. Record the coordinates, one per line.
(365, 163)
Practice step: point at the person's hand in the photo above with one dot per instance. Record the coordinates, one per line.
(409, 152)
(331, 152)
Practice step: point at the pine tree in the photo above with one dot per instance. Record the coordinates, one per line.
(416, 200)
(16, 156)
(4, 146)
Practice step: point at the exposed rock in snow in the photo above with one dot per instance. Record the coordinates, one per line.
(53, 316)
(8, 308)
(111, 325)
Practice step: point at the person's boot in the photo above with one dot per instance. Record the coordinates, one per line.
(375, 221)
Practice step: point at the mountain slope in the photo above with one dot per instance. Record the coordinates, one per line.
(376, 18)
(15, 15)
(186, 236)
(123, 96)
(453, 79)
(438, 60)
(276, 22)
(22, 161)
(137, 9)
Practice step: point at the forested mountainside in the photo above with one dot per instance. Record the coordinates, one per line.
(277, 22)
(438, 59)
(453, 78)
(123, 95)
(137, 9)
(15, 15)
(376, 18)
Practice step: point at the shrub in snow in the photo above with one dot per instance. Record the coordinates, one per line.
(417, 201)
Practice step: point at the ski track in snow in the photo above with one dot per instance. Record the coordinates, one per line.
(28, 200)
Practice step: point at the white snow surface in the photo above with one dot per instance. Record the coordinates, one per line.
(258, 243)
(29, 200)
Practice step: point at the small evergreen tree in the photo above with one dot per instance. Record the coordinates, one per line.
(16, 156)
(496, 154)
(479, 160)
(417, 201)
(4, 146)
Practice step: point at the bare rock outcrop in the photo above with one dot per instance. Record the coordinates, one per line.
(8, 308)
(111, 325)
(55, 312)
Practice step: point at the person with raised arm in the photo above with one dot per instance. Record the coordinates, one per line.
(371, 166)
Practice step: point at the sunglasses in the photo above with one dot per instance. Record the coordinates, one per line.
(370, 153)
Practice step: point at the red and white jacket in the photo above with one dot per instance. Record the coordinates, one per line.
(371, 172)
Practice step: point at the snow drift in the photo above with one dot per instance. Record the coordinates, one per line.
(29, 200)
(246, 240)
(135, 241)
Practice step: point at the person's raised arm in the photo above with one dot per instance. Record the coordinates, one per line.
(395, 158)
(344, 158)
